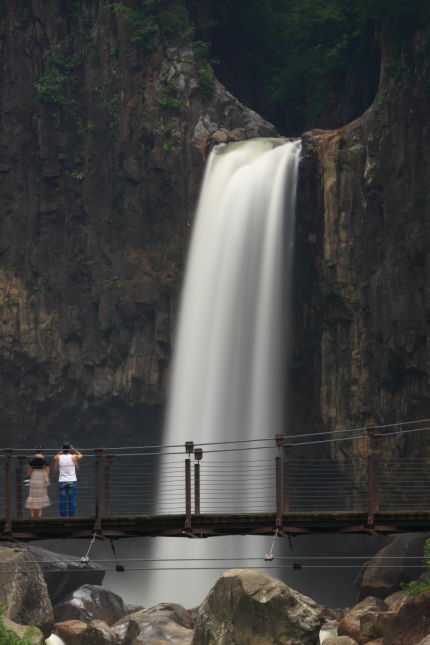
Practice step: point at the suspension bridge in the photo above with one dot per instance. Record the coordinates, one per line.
(327, 482)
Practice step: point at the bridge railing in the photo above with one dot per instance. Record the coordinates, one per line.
(267, 476)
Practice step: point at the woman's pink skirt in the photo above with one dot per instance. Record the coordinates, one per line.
(38, 497)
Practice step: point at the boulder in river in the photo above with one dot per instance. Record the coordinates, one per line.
(163, 623)
(65, 573)
(91, 602)
(23, 591)
(350, 623)
(247, 606)
(378, 579)
(411, 624)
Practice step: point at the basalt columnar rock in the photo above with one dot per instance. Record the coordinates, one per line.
(248, 606)
(106, 111)
(362, 292)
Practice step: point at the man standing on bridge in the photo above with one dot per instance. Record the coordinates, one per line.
(66, 462)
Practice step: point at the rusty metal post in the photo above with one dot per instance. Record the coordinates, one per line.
(18, 480)
(372, 483)
(8, 452)
(279, 439)
(198, 456)
(98, 452)
(108, 483)
(189, 448)
(286, 450)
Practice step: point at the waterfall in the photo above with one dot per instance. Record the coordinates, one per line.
(228, 373)
(229, 361)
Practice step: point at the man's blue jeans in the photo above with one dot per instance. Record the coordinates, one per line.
(67, 498)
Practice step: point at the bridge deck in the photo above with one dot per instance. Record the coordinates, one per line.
(208, 525)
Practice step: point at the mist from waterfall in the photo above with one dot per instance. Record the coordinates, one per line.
(228, 374)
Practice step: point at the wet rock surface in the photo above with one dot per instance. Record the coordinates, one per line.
(90, 602)
(163, 623)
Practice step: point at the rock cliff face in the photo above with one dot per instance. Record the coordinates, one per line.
(363, 289)
(105, 116)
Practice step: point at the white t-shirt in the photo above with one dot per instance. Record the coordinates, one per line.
(67, 469)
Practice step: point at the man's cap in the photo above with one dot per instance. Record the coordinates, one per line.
(66, 446)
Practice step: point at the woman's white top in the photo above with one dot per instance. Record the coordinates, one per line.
(67, 469)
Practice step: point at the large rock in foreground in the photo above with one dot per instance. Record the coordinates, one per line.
(249, 607)
(411, 625)
(350, 625)
(23, 590)
(91, 602)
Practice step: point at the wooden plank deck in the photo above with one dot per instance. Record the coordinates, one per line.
(209, 525)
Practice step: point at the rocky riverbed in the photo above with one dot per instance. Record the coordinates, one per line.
(53, 597)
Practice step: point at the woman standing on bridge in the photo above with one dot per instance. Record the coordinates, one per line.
(38, 470)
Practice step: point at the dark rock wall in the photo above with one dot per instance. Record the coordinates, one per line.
(103, 132)
(362, 305)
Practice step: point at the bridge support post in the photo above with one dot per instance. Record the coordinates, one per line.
(18, 477)
(372, 483)
(108, 483)
(189, 448)
(98, 488)
(8, 452)
(198, 455)
(286, 450)
(279, 439)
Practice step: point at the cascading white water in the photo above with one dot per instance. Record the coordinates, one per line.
(228, 366)
(229, 363)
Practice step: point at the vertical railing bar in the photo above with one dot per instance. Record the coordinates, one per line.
(97, 484)
(198, 455)
(108, 483)
(18, 477)
(7, 530)
(285, 490)
(372, 493)
(189, 448)
(279, 440)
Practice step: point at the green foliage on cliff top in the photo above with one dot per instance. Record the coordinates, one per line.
(302, 55)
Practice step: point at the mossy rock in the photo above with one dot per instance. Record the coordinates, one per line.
(13, 634)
